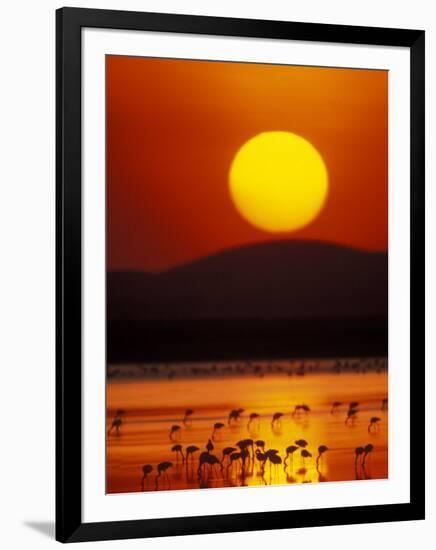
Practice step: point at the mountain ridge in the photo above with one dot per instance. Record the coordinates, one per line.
(278, 279)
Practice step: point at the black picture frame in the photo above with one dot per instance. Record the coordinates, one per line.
(69, 525)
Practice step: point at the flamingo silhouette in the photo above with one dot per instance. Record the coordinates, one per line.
(233, 458)
(162, 468)
(290, 454)
(305, 408)
(358, 452)
(276, 419)
(174, 431)
(335, 406)
(366, 451)
(301, 443)
(178, 449)
(252, 417)
(207, 459)
(271, 452)
(260, 444)
(244, 455)
(227, 451)
(210, 446)
(213, 461)
(146, 469)
(301, 408)
(190, 452)
(353, 405)
(274, 459)
(217, 426)
(373, 424)
(305, 454)
(187, 417)
(262, 458)
(351, 415)
(243, 444)
(235, 415)
(321, 450)
(116, 423)
(296, 410)
(203, 459)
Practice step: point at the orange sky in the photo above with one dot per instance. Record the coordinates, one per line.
(174, 126)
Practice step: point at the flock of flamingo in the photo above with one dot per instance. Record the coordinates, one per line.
(291, 368)
(248, 457)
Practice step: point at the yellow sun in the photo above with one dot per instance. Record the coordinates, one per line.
(278, 181)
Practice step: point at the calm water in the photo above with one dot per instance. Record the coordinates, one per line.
(153, 405)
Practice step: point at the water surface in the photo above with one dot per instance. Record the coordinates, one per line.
(155, 401)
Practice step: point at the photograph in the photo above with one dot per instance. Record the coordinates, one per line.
(246, 274)
(217, 284)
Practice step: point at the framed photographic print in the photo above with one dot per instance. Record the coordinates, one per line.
(240, 274)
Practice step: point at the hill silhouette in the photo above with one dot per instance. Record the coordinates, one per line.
(282, 279)
(282, 298)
